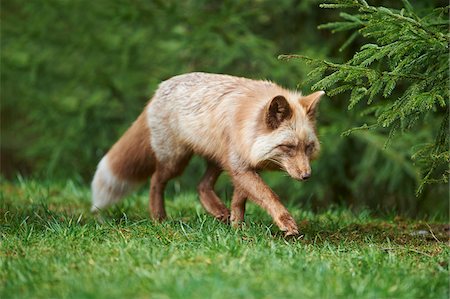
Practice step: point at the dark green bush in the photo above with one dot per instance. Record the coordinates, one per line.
(75, 74)
(401, 71)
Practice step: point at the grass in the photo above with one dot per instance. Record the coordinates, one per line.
(51, 247)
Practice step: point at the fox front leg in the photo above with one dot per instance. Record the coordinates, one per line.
(238, 202)
(252, 185)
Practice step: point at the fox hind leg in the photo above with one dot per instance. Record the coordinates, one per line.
(163, 173)
(208, 198)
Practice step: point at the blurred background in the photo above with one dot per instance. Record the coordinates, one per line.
(76, 74)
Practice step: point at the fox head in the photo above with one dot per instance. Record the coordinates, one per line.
(289, 141)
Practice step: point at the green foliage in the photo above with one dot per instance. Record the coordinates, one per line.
(75, 75)
(51, 249)
(402, 52)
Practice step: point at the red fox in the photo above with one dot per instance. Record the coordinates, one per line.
(238, 125)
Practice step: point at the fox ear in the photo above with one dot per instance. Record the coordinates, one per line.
(310, 102)
(278, 111)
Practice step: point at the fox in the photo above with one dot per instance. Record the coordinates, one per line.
(238, 125)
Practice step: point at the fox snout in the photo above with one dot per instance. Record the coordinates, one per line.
(306, 175)
(302, 176)
(300, 173)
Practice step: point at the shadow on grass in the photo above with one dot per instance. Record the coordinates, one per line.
(379, 231)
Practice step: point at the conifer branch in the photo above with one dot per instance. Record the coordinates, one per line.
(337, 66)
(404, 68)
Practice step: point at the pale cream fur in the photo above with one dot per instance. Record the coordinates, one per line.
(200, 113)
(222, 118)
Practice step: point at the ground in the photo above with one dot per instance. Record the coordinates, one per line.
(51, 247)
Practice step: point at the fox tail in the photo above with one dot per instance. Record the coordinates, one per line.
(129, 163)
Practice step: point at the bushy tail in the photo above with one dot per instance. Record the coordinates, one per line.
(107, 188)
(130, 162)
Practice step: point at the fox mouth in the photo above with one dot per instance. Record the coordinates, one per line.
(300, 179)
(304, 177)
(300, 176)
(296, 175)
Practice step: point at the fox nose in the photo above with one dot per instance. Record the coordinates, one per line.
(306, 176)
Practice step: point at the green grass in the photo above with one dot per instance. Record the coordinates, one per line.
(51, 247)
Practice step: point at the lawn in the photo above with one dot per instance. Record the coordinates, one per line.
(51, 247)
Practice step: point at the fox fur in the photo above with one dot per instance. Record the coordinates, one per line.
(238, 125)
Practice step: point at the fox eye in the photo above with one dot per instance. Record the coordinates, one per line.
(309, 148)
(287, 147)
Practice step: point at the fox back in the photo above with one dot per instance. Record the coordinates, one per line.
(253, 122)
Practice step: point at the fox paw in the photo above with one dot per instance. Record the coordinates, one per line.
(288, 225)
(236, 219)
(224, 216)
